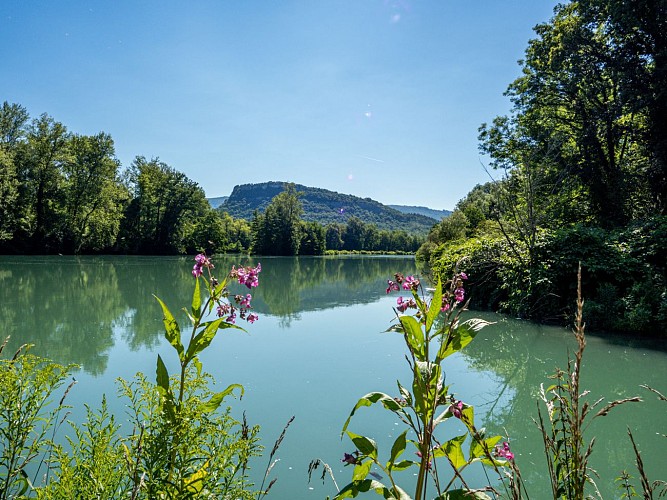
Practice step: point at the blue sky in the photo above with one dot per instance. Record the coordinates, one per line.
(376, 98)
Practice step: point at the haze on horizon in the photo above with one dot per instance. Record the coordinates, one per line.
(375, 98)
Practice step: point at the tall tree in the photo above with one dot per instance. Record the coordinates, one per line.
(42, 179)
(278, 230)
(164, 202)
(94, 196)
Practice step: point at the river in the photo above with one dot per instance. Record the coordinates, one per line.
(318, 346)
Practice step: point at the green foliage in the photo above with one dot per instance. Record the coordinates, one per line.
(28, 415)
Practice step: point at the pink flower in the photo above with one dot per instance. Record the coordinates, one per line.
(459, 294)
(391, 286)
(504, 451)
(222, 309)
(252, 317)
(463, 276)
(457, 409)
(410, 283)
(401, 305)
(247, 275)
(445, 305)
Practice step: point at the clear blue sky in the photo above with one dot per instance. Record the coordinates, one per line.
(376, 98)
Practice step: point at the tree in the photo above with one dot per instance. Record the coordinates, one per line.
(94, 196)
(8, 195)
(313, 239)
(165, 203)
(41, 180)
(334, 236)
(278, 230)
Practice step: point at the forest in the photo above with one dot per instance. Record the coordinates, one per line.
(581, 176)
(62, 192)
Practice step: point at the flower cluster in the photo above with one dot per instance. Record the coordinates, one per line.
(224, 307)
(201, 262)
(407, 283)
(246, 275)
(503, 451)
(457, 292)
(403, 305)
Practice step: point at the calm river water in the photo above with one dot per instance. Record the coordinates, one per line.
(319, 346)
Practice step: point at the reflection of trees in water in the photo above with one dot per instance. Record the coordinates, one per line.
(291, 285)
(520, 356)
(71, 307)
(66, 306)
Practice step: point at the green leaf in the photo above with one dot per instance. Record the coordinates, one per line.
(371, 398)
(214, 403)
(398, 448)
(204, 338)
(459, 337)
(413, 335)
(453, 450)
(196, 301)
(365, 445)
(434, 308)
(162, 376)
(468, 417)
(172, 332)
(402, 465)
(361, 471)
(356, 487)
(477, 447)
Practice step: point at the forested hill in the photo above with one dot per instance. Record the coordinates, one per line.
(325, 207)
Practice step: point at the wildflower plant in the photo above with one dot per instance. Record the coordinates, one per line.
(433, 330)
(186, 404)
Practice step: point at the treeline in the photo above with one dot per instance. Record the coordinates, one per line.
(582, 162)
(62, 192)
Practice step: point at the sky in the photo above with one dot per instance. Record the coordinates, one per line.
(375, 98)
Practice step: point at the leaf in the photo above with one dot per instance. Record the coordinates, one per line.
(477, 448)
(162, 376)
(196, 301)
(195, 482)
(402, 465)
(453, 450)
(215, 401)
(365, 445)
(372, 398)
(172, 332)
(398, 448)
(361, 471)
(434, 308)
(459, 337)
(204, 338)
(413, 335)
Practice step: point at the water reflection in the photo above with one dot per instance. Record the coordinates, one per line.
(74, 309)
(521, 356)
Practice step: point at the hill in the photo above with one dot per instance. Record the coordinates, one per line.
(428, 212)
(325, 207)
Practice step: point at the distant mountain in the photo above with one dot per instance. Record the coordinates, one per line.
(428, 212)
(216, 202)
(325, 207)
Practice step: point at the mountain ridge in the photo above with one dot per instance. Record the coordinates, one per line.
(325, 206)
